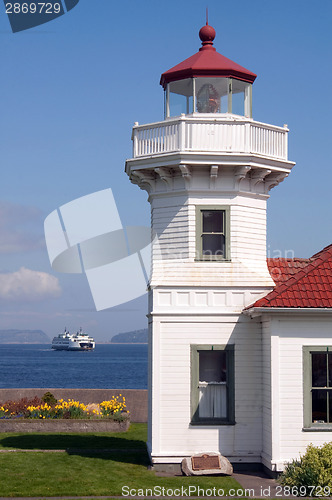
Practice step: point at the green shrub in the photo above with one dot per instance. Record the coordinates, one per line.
(312, 470)
(49, 399)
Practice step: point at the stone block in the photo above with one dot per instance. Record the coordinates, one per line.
(62, 425)
(206, 464)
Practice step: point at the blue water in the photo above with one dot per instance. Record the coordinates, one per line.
(109, 366)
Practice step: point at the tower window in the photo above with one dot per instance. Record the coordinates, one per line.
(212, 229)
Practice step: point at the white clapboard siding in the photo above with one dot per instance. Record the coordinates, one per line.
(266, 394)
(173, 418)
(290, 335)
(170, 224)
(175, 254)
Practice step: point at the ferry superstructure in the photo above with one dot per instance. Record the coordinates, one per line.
(79, 341)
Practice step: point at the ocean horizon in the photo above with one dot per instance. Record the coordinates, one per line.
(109, 366)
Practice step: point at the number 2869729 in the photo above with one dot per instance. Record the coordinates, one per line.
(33, 8)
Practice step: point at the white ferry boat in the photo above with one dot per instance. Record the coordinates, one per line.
(80, 341)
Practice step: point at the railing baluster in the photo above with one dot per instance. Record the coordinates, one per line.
(152, 141)
(208, 135)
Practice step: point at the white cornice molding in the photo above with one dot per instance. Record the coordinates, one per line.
(208, 158)
(165, 175)
(186, 174)
(144, 179)
(258, 311)
(213, 175)
(258, 175)
(240, 174)
(274, 179)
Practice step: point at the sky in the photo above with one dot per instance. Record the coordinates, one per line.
(71, 91)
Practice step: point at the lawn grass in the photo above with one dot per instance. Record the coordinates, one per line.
(86, 469)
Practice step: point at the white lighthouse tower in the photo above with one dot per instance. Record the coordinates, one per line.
(208, 168)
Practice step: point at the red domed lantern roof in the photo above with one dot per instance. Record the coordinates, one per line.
(207, 62)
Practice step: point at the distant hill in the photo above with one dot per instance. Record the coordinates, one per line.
(135, 337)
(23, 337)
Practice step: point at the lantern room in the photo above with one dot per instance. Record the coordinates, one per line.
(208, 82)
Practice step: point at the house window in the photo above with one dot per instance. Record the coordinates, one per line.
(212, 233)
(212, 377)
(317, 387)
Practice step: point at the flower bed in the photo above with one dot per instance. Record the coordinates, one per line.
(50, 415)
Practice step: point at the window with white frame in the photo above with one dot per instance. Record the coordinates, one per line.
(212, 376)
(317, 385)
(212, 233)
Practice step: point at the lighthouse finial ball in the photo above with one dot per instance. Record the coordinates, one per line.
(207, 34)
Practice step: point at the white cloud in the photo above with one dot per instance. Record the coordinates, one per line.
(20, 228)
(28, 285)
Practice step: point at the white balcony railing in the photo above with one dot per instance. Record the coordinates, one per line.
(200, 134)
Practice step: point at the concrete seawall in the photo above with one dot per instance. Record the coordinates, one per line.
(136, 399)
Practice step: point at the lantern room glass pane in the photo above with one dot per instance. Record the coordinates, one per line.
(180, 97)
(239, 96)
(211, 95)
(178, 104)
(238, 103)
(208, 95)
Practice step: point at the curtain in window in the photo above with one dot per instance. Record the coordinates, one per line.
(212, 400)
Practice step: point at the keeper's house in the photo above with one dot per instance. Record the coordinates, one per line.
(240, 346)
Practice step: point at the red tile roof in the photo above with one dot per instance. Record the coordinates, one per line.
(300, 282)
(283, 269)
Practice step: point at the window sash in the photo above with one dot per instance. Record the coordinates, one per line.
(212, 402)
(321, 409)
(321, 389)
(212, 236)
(319, 369)
(317, 386)
(216, 223)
